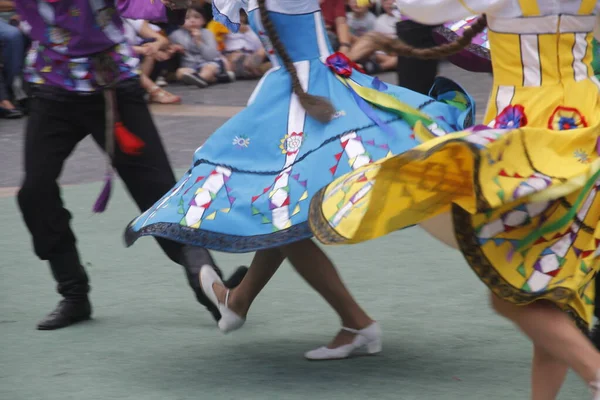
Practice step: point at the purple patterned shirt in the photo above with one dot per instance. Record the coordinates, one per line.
(65, 33)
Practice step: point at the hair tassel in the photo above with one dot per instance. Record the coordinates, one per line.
(317, 107)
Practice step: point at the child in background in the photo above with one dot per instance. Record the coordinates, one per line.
(245, 52)
(201, 64)
(360, 20)
(150, 46)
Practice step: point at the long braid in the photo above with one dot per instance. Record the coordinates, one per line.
(317, 107)
(398, 47)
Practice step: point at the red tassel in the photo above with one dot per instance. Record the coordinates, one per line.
(128, 142)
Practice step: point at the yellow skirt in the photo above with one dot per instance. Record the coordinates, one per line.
(524, 202)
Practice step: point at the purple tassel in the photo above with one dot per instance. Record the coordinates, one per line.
(598, 146)
(104, 196)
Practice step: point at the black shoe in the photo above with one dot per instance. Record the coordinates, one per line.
(13, 113)
(595, 335)
(68, 312)
(226, 77)
(194, 79)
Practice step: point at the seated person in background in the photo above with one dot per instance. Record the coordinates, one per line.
(150, 46)
(12, 45)
(334, 16)
(201, 64)
(363, 49)
(7, 108)
(245, 52)
(360, 20)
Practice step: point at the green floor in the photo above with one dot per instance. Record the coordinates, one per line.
(150, 341)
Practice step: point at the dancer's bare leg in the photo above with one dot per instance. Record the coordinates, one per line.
(441, 227)
(314, 266)
(547, 375)
(318, 271)
(264, 265)
(553, 331)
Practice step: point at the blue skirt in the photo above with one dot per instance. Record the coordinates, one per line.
(250, 185)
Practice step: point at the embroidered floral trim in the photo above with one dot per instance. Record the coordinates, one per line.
(241, 141)
(582, 156)
(291, 143)
(511, 117)
(566, 118)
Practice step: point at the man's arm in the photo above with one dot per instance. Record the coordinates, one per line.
(343, 33)
(342, 30)
(7, 5)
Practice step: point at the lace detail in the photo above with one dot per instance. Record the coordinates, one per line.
(227, 12)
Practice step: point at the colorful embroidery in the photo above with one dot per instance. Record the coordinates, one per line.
(291, 143)
(511, 117)
(241, 141)
(565, 118)
(582, 156)
(339, 114)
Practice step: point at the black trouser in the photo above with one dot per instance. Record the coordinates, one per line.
(59, 121)
(413, 73)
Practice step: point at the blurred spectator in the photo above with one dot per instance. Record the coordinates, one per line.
(360, 20)
(334, 16)
(363, 50)
(245, 52)
(220, 33)
(150, 46)
(7, 109)
(12, 42)
(201, 64)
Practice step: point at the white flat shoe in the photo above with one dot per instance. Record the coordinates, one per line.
(366, 341)
(595, 387)
(229, 321)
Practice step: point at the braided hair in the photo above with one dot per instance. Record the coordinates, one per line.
(317, 107)
(398, 47)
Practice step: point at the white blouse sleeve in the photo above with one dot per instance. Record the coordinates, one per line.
(433, 12)
(227, 12)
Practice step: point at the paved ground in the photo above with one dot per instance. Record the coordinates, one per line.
(149, 340)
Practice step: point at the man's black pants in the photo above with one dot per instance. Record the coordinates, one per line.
(413, 73)
(59, 121)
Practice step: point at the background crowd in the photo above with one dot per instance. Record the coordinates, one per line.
(201, 53)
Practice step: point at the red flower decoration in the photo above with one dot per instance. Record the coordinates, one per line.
(566, 118)
(342, 65)
(511, 117)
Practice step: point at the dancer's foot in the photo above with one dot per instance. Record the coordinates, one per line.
(349, 342)
(218, 294)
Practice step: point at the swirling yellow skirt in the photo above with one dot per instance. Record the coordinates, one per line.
(524, 202)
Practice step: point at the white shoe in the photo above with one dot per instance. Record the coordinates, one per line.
(229, 321)
(367, 340)
(595, 387)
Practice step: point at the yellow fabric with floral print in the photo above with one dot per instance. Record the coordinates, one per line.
(523, 190)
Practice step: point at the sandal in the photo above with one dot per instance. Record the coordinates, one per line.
(161, 96)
